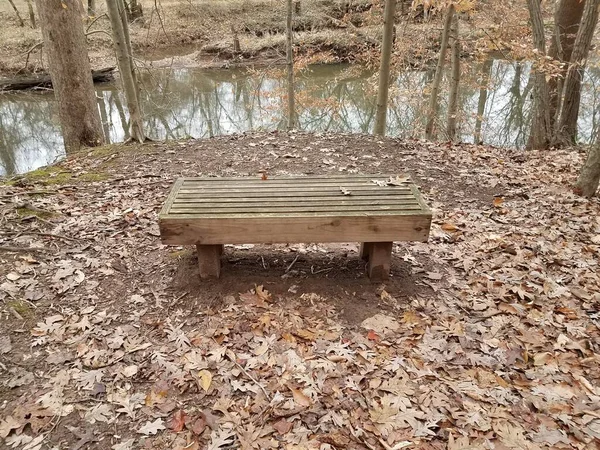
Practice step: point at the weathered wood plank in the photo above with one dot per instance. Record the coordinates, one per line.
(277, 183)
(283, 194)
(171, 197)
(286, 178)
(380, 258)
(297, 204)
(365, 250)
(303, 199)
(209, 260)
(277, 228)
(216, 203)
(292, 209)
(257, 189)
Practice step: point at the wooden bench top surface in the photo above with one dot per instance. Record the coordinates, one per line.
(207, 211)
(307, 196)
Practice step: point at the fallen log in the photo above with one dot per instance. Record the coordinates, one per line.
(43, 81)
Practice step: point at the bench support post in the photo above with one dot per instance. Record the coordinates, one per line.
(209, 260)
(380, 258)
(365, 250)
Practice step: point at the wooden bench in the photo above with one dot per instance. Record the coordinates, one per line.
(373, 210)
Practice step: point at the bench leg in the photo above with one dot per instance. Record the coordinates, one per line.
(380, 258)
(209, 259)
(365, 250)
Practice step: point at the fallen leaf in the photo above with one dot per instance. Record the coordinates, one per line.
(129, 371)
(205, 379)
(380, 323)
(300, 398)
(447, 226)
(152, 427)
(283, 426)
(177, 421)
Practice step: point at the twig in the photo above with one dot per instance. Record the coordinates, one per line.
(161, 20)
(58, 236)
(28, 193)
(292, 264)
(28, 52)
(94, 21)
(245, 372)
(327, 269)
(89, 33)
(9, 248)
(33, 216)
(252, 378)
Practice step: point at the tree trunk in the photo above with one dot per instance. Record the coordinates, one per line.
(91, 8)
(134, 11)
(483, 93)
(31, 14)
(455, 81)
(439, 72)
(291, 107)
(566, 132)
(384, 67)
(566, 24)
(118, 21)
(19, 18)
(589, 178)
(71, 74)
(541, 129)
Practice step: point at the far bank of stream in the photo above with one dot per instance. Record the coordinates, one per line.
(182, 103)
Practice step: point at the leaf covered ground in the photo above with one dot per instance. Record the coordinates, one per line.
(487, 336)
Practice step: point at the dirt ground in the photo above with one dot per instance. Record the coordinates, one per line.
(186, 33)
(486, 337)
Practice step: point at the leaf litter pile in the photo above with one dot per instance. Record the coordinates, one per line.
(485, 337)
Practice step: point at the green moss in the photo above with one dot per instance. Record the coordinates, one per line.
(50, 175)
(93, 176)
(180, 254)
(27, 212)
(20, 307)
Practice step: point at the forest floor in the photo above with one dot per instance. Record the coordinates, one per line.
(188, 33)
(486, 337)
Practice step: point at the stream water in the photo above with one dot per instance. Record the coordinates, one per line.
(494, 107)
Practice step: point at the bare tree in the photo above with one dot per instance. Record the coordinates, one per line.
(541, 130)
(566, 131)
(384, 67)
(455, 81)
(566, 24)
(31, 14)
(589, 177)
(64, 41)
(119, 25)
(483, 94)
(289, 50)
(19, 18)
(439, 72)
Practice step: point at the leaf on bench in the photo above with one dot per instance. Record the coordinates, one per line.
(345, 191)
(398, 180)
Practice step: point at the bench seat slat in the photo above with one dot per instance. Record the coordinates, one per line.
(357, 209)
(274, 189)
(216, 203)
(296, 199)
(293, 195)
(210, 211)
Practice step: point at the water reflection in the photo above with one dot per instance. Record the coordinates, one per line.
(494, 103)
